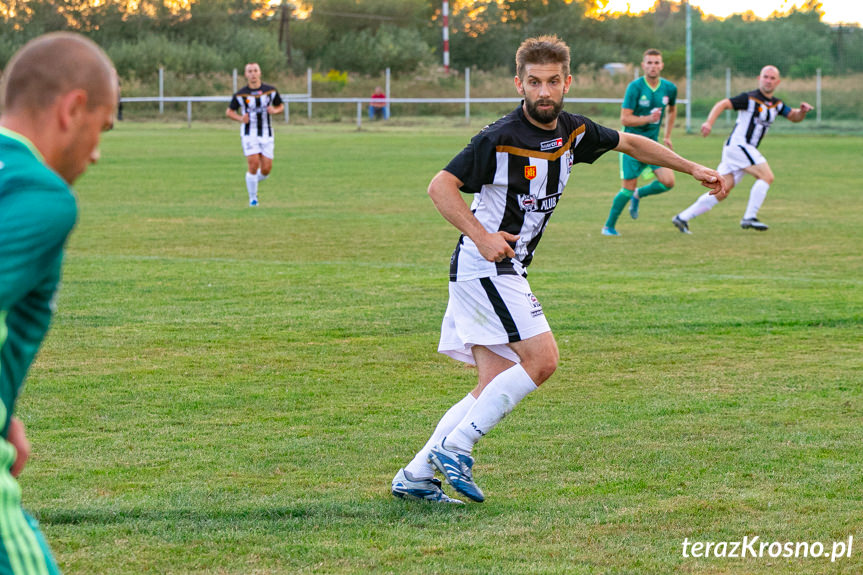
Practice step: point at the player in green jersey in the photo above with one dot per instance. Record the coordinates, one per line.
(648, 100)
(59, 92)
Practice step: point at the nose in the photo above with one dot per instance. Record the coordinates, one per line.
(544, 89)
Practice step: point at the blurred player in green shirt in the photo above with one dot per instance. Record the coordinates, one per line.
(59, 92)
(644, 106)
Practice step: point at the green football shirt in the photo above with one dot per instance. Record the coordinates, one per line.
(37, 213)
(641, 99)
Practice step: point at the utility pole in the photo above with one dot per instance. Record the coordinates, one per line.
(285, 29)
(445, 13)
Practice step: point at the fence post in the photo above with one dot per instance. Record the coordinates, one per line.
(359, 114)
(818, 97)
(161, 90)
(728, 94)
(189, 111)
(287, 111)
(689, 57)
(387, 107)
(467, 94)
(309, 90)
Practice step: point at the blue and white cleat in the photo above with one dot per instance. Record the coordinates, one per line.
(422, 489)
(681, 225)
(253, 203)
(633, 207)
(609, 232)
(456, 468)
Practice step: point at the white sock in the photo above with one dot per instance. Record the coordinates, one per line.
(262, 177)
(252, 185)
(756, 198)
(498, 398)
(419, 467)
(702, 205)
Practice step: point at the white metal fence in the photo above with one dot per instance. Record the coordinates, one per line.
(309, 100)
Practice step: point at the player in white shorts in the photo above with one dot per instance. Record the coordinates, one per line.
(516, 169)
(756, 112)
(253, 106)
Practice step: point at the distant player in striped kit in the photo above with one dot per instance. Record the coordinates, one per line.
(647, 101)
(59, 93)
(253, 106)
(756, 111)
(516, 169)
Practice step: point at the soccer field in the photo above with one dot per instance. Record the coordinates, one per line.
(229, 390)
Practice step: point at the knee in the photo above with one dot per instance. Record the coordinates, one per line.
(668, 182)
(768, 179)
(540, 369)
(265, 170)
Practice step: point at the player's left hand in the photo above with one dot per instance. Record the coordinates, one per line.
(271, 110)
(16, 436)
(711, 179)
(804, 107)
(668, 143)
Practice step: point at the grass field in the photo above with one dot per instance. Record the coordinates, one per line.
(230, 390)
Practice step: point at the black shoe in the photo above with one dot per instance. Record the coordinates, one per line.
(754, 224)
(681, 225)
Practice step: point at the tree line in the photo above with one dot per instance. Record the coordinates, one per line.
(366, 36)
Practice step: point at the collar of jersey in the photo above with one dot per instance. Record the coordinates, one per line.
(652, 89)
(22, 140)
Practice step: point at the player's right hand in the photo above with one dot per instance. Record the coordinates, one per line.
(495, 247)
(706, 129)
(245, 118)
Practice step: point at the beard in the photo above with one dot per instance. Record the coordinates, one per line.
(543, 116)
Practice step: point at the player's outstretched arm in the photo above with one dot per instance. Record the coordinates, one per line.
(718, 108)
(444, 192)
(797, 114)
(649, 152)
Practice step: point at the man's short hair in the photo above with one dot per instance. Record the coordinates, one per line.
(651, 52)
(542, 50)
(55, 64)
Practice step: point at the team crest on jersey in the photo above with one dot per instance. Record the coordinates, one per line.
(530, 172)
(665, 100)
(550, 144)
(531, 203)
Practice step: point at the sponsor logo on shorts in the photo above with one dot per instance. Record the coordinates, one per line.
(536, 307)
(530, 172)
(550, 144)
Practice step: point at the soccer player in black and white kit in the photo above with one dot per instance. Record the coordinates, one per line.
(517, 169)
(253, 106)
(756, 111)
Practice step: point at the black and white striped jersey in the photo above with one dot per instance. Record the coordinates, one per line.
(254, 103)
(518, 172)
(756, 112)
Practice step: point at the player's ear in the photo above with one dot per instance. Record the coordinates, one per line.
(71, 107)
(567, 83)
(519, 87)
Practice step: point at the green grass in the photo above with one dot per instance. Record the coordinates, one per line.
(230, 390)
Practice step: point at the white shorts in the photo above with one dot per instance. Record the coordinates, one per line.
(491, 312)
(256, 145)
(736, 158)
